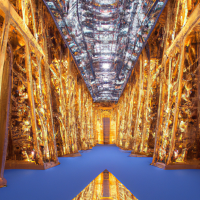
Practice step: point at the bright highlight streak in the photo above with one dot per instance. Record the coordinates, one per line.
(106, 66)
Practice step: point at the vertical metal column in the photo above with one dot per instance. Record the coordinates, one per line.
(5, 89)
(106, 130)
(4, 112)
(106, 189)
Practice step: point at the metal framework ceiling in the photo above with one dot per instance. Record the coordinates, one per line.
(106, 38)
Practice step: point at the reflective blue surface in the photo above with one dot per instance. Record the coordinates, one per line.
(65, 181)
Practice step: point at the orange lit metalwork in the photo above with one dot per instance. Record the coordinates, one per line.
(46, 109)
(105, 186)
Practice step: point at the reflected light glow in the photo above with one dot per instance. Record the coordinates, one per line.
(106, 65)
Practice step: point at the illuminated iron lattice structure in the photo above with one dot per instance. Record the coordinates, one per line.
(52, 69)
(106, 38)
(158, 113)
(49, 109)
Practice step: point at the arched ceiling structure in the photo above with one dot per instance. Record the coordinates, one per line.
(106, 38)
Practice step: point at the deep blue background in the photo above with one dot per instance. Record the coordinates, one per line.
(65, 181)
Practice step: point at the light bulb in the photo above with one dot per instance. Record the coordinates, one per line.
(106, 65)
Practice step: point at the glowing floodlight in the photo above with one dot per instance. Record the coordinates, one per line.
(106, 65)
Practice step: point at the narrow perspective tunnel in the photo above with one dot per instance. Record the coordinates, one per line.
(99, 99)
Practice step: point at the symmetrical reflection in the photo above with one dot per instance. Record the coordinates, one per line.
(106, 38)
(105, 186)
(46, 109)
